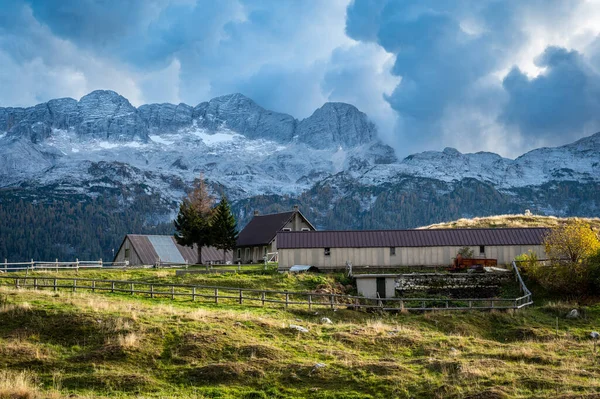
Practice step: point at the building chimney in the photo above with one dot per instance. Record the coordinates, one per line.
(255, 212)
(296, 208)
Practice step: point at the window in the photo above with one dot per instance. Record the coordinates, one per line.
(481, 249)
(305, 229)
(265, 250)
(392, 251)
(327, 251)
(247, 253)
(239, 253)
(286, 229)
(126, 253)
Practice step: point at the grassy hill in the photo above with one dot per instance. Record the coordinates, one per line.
(80, 345)
(500, 221)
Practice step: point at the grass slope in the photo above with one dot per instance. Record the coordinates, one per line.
(64, 344)
(500, 221)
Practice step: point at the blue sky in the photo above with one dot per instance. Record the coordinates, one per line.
(479, 75)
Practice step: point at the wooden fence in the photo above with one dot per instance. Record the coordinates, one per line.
(285, 299)
(76, 265)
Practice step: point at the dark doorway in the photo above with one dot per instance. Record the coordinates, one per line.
(381, 287)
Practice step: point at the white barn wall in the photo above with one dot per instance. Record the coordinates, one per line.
(405, 256)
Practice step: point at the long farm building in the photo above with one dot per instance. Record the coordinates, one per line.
(388, 248)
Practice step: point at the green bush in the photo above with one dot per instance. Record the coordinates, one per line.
(563, 276)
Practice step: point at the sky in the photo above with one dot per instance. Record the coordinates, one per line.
(477, 75)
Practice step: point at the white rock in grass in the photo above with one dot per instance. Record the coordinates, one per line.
(595, 335)
(326, 320)
(298, 328)
(573, 314)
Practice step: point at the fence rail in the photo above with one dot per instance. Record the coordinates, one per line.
(76, 265)
(218, 294)
(526, 299)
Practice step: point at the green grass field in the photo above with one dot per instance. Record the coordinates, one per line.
(82, 345)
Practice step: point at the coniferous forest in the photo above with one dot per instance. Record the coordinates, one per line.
(44, 226)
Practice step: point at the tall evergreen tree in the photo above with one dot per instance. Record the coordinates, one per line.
(224, 227)
(193, 223)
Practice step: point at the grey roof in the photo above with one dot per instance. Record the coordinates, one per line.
(150, 248)
(262, 229)
(411, 238)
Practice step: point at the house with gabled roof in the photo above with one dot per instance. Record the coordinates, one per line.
(139, 249)
(259, 237)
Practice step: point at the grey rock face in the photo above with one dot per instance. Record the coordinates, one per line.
(107, 115)
(9, 117)
(166, 117)
(336, 124)
(242, 115)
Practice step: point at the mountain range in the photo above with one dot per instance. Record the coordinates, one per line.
(118, 169)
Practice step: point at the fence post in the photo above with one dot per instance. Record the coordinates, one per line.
(112, 287)
(446, 304)
(401, 304)
(423, 304)
(56, 264)
(262, 297)
(172, 292)
(32, 264)
(5, 265)
(216, 295)
(55, 285)
(94, 286)
(470, 304)
(74, 285)
(492, 303)
(35, 283)
(151, 290)
(131, 288)
(193, 294)
(16, 283)
(287, 299)
(241, 296)
(100, 262)
(331, 300)
(309, 302)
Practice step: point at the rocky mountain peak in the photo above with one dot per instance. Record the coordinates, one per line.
(453, 152)
(242, 115)
(107, 115)
(336, 124)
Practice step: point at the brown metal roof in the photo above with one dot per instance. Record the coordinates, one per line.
(262, 229)
(411, 238)
(148, 254)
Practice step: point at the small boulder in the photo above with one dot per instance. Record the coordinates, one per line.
(317, 367)
(326, 320)
(595, 335)
(298, 328)
(573, 314)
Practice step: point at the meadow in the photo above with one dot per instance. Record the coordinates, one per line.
(82, 345)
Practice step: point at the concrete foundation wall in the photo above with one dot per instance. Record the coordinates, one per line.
(404, 256)
(367, 287)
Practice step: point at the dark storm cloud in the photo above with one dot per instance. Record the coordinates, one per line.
(558, 102)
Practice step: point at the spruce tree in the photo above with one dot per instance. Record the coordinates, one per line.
(193, 223)
(224, 227)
